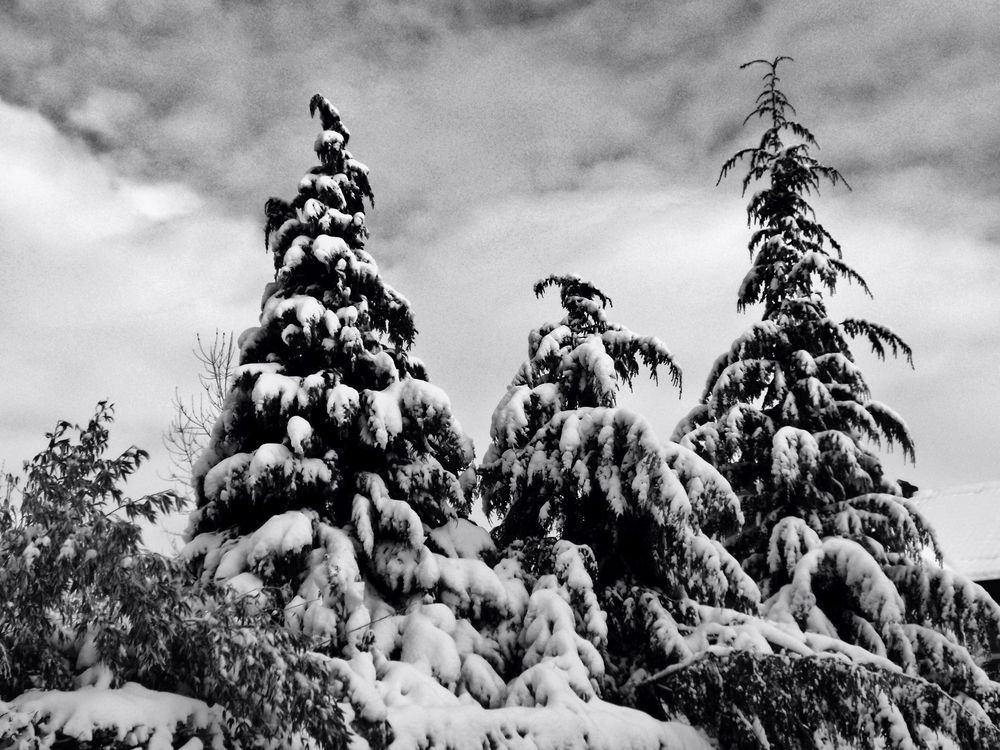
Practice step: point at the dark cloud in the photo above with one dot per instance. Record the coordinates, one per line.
(470, 99)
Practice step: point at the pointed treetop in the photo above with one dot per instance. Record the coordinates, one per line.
(586, 318)
(329, 116)
(771, 101)
(791, 250)
(584, 302)
(773, 104)
(570, 286)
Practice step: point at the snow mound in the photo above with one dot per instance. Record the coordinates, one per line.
(137, 716)
(595, 725)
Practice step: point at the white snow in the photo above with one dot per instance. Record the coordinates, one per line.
(144, 716)
(876, 595)
(461, 537)
(281, 534)
(342, 403)
(219, 476)
(383, 416)
(246, 584)
(794, 456)
(267, 458)
(593, 725)
(273, 388)
(299, 433)
(305, 311)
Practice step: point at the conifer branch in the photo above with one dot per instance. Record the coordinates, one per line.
(879, 337)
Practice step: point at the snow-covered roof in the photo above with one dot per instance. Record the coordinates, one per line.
(967, 522)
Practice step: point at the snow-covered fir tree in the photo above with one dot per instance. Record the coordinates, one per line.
(335, 490)
(568, 469)
(837, 551)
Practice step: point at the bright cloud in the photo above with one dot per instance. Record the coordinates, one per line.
(105, 282)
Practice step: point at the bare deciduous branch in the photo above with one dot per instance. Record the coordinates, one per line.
(191, 426)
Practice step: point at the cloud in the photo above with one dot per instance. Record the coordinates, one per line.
(936, 288)
(105, 282)
(655, 253)
(672, 262)
(452, 99)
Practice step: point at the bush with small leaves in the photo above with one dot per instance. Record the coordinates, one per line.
(97, 632)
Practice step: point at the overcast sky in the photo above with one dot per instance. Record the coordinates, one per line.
(139, 141)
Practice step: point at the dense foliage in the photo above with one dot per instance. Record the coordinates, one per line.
(750, 700)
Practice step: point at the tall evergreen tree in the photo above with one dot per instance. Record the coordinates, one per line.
(787, 416)
(328, 410)
(333, 456)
